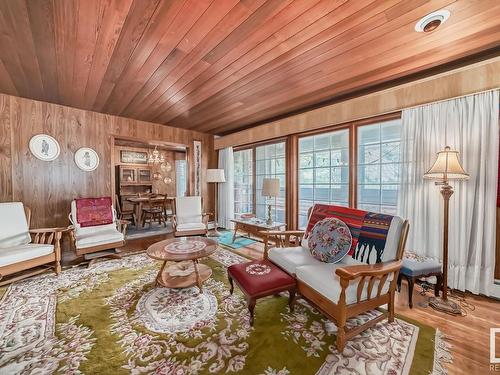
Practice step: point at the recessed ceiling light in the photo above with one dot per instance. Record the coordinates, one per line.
(432, 21)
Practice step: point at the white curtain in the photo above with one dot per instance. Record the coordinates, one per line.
(471, 126)
(226, 189)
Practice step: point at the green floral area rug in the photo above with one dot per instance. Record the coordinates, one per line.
(111, 319)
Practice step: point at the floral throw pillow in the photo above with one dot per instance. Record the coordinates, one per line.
(330, 240)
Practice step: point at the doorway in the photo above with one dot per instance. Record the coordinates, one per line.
(148, 175)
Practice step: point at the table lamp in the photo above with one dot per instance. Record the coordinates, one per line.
(271, 189)
(215, 176)
(446, 167)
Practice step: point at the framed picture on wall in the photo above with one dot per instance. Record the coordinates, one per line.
(86, 159)
(44, 147)
(133, 157)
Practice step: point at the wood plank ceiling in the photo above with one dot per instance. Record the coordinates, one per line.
(219, 65)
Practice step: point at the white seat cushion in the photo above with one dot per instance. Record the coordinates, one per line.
(22, 253)
(13, 225)
(190, 226)
(322, 278)
(289, 258)
(85, 231)
(101, 237)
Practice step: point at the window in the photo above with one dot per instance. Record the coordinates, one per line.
(270, 163)
(323, 171)
(251, 166)
(180, 174)
(378, 166)
(243, 181)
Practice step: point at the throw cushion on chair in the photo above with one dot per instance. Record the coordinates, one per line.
(91, 212)
(330, 240)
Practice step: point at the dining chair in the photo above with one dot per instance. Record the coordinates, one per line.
(121, 213)
(153, 210)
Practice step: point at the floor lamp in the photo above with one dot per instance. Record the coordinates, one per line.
(216, 176)
(446, 167)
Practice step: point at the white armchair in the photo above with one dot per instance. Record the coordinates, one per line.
(22, 248)
(189, 219)
(97, 238)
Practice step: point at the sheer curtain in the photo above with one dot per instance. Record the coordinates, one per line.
(469, 125)
(226, 190)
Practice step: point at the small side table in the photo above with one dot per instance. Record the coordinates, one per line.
(414, 269)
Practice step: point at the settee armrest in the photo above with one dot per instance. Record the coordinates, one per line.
(121, 225)
(47, 235)
(281, 238)
(355, 271)
(53, 237)
(371, 273)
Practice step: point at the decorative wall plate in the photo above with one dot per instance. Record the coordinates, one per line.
(86, 159)
(44, 147)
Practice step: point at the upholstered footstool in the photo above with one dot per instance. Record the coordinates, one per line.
(417, 268)
(260, 279)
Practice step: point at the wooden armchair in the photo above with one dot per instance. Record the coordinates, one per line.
(96, 239)
(22, 248)
(345, 289)
(189, 218)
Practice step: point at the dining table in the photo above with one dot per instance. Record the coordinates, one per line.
(139, 201)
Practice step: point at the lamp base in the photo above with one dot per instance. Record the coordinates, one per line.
(269, 220)
(446, 306)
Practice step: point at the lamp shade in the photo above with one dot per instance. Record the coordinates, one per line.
(447, 167)
(215, 175)
(271, 187)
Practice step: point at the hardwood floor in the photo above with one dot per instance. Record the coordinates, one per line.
(468, 335)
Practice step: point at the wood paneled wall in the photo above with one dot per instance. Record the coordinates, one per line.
(48, 187)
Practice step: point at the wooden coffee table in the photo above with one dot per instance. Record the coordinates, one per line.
(185, 252)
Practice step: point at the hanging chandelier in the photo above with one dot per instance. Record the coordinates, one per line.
(156, 157)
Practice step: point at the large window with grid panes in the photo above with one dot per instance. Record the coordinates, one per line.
(378, 166)
(243, 182)
(252, 166)
(325, 176)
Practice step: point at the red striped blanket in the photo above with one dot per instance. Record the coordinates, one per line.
(369, 230)
(352, 217)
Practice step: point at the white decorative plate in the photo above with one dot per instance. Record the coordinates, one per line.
(86, 159)
(44, 147)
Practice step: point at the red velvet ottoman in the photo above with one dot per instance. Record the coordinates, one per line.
(258, 279)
